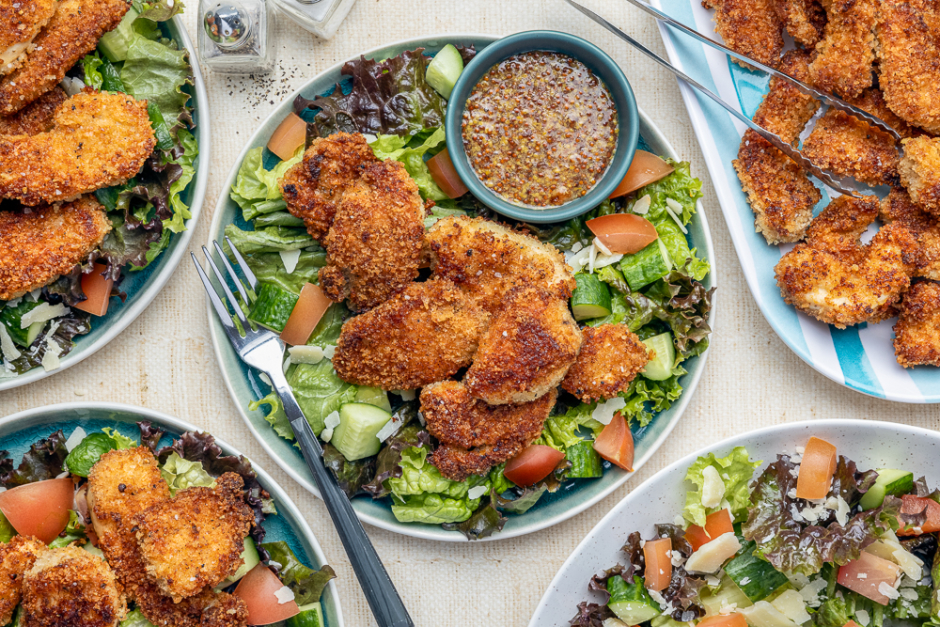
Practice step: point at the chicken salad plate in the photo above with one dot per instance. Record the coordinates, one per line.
(822, 523)
(117, 516)
(852, 290)
(466, 381)
(100, 177)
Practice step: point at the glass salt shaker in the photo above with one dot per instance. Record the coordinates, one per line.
(237, 35)
(320, 17)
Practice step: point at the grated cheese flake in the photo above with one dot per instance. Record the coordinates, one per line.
(284, 595)
(290, 259)
(42, 313)
(604, 412)
(476, 492)
(77, 436)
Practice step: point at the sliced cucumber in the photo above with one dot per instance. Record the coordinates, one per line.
(114, 44)
(273, 307)
(644, 267)
(630, 601)
(444, 70)
(755, 577)
(250, 558)
(660, 366)
(726, 594)
(311, 615)
(374, 396)
(591, 298)
(11, 317)
(889, 481)
(585, 462)
(355, 437)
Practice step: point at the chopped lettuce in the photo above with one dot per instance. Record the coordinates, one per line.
(422, 494)
(677, 246)
(120, 441)
(565, 429)
(256, 188)
(181, 473)
(433, 509)
(187, 170)
(352, 477)
(735, 470)
(155, 72)
(412, 157)
(74, 531)
(135, 618)
(268, 240)
(274, 414)
(319, 391)
(160, 10)
(6, 529)
(306, 583)
(419, 476)
(679, 186)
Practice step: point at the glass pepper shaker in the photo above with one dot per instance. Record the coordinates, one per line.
(237, 35)
(320, 17)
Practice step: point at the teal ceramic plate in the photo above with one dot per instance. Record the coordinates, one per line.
(19, 431)
(245, 385)
(142, 287)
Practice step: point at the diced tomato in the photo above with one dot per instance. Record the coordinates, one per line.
(290, 135)
(39, 509)
(658, 571)
(97, 290)
(724, 620)
(715, 525)
(307, 312)
(816, 469)
(866, 574)
(445, 175)
(623, 233)
(615, 443)
(851, 623)
(257, 589)
(532, 465)
(645, 168)
(911, 504)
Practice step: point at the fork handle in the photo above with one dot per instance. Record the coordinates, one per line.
(386, 604)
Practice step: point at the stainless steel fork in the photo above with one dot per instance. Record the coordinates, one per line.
(263, 350)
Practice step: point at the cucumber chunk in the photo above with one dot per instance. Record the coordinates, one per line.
(889, 481)
(444, 70)
(311, 615)
(727, 593)
(756, 578)
(591, 298)
(355, 437)
(585, 462)
(660, 366)
(114, 44)
(644, 267)
(373, 396)
(251, 559)
(630, 601)
(273, 307)
(12, 317)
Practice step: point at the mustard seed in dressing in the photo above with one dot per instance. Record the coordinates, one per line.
(540, 129)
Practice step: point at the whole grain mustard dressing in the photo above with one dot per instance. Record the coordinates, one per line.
(540, 129)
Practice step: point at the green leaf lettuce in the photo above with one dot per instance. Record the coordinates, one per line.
(735, 470)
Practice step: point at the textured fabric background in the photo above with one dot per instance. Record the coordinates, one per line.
(165, 361)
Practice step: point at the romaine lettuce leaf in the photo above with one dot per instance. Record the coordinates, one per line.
(412, 157)
(319, 391)
(565, 429)
(254, 184)
(735, 470)
(678, 248)
(645, 397)
(187, 170)
(268, 240)
(420, 476)
(274, 414)
(181, 473)
(74, 530)
(155, 72)
(680, 186)
(160, 10)
(306, 583)
(120, 441)
(433, 509)
(6, 529)
(269, 268)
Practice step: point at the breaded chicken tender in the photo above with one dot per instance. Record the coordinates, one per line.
(873, 101)
(206, 609)
(39, 245)
(195, 540)
(36, 117)
(475, 436)
(924, 227)
(375, 244)
(424, 334)
(98, 139)
(845, 56)
(917, 331)
(920, 171)
(16, 557)
(610, 359)
(751, 27)
(849, 146)
(785, 110)
(487, 259)
(20, 22)
(836, 279)
(908, 50)
(70, 587)
(314, 188)
(73, 32)
(805, 20)
(527, 350)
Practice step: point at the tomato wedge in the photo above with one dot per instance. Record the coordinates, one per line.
(257, 589)
(615, 443)
(724, 620)
(290, 135)
(911, 504)
(851, 623)
(645, 168)
(715, 525)
(97, 290)
(874, 571)
(658, 571)
(445, 175)
(816, 469)
(307, 312)
(623, 233)
(39, 509)
(532, 465)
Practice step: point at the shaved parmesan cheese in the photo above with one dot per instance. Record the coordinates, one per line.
(42, 313)
(604, 412)
(606, 260)
(10, 351)
(601, 247)
(77, 436)
(332, 421)
(766, 615)
(286, 364)
(576, 247)
(306, 354)
(265, 378)
(50, 358)
(476, 492)
(889, 591)
(713, 488)
(388, 430)
(642, 206)
(580, 258)
(710, 557)
(406, 395)
(284, 595)
(862, 617)
(326, 435)
(592, 257)
(791, 605)
(614, 622)
(290, 259)
(328, 351)
(676, 219)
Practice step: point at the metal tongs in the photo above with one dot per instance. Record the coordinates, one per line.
(843, 184)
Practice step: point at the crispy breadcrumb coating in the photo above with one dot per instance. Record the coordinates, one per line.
(375, 244)
(844, 57)
(835, 278)
(924, 227)
(38, 245)
(16, 557)
(610, 359)
(527, 350)
(36, 117)
(195, 540)
(98, 140)
(73, 32)
(70, 587)
(314, 187)
(785, 110)
(849, 146)
(475, 436)
(487, 259)
(917, 331)
(920, 171)
(20, 23)
(908, 50)
(873, 101)
(424, 334)
(207, 609)
(751, 27)
(805, 20)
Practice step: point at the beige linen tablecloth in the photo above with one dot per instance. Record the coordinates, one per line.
(165, 360)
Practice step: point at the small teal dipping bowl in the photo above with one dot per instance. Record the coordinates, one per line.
(604, 68)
